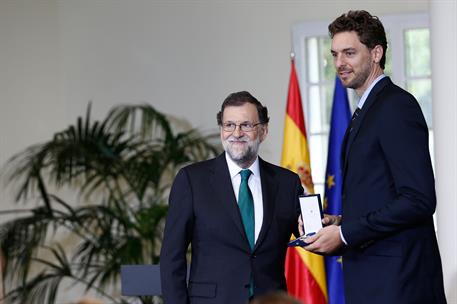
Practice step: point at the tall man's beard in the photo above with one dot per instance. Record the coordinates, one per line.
(359, 78)
(242, 156)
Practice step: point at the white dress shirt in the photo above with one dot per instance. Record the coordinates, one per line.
(254, 185)
(368, 90)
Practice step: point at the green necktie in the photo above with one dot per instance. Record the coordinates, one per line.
(246, 205)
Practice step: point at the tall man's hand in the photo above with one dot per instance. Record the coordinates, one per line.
(326, 241)
(330, 219)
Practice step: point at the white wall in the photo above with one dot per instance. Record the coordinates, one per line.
(183, 57)
(444, 47)
(31, 106)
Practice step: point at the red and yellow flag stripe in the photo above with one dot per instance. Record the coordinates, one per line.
(305, 271)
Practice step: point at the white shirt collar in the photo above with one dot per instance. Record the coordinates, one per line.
(234, 169)
(368, 90)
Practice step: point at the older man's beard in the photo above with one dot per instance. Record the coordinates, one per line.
(245, 156)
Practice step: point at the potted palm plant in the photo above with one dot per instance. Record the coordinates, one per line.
(118, 172)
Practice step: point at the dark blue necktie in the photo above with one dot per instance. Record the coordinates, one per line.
(246, 205)
(355, 116)
(347, 136)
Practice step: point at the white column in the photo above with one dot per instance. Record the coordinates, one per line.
(444, 67)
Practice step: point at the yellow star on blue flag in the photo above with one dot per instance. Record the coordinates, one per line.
(330, 181)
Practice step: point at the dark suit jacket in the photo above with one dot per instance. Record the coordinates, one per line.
(203, 212)
(388, 203)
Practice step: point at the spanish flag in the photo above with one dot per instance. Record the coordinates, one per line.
(305, 271)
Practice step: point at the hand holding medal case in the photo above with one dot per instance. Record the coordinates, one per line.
(311, 213)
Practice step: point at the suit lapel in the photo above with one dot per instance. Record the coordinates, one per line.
(349, 137)
(269, 189)
(344, 146)
(221, 182)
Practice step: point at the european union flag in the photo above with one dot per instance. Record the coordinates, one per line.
(341, 116)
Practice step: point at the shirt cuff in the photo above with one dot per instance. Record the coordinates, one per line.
(342, 237)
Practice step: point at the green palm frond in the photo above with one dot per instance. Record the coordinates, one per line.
(44, 286)
(23, 237)
(81, 153)
(142, 120)
(122, 168)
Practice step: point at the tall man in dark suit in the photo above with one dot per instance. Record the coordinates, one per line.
(386, 232)
(237, 212)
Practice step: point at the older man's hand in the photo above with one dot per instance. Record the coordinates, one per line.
(301, 231)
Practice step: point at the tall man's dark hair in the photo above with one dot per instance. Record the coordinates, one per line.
(369, 29)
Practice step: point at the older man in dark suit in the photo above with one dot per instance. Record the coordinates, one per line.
(236, 211)
(390, 252)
